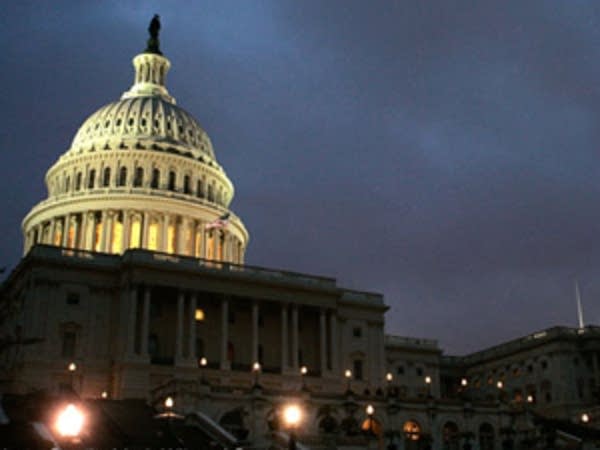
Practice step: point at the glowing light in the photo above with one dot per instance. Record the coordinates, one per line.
(348, 373)
(370, 410)
(530, 399)
(500, 384)
(256, 367)
(199, 315)
(203, 362)
(292, 414)
(303, 370)
(72, 367)
(585, 418)
(464, 382)
(389, 376)
(69, 421)
(104, 394)
(427, 379)
(169, 402)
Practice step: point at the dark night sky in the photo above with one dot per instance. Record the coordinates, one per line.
(443, 153)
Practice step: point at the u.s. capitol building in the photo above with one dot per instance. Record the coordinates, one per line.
(134, 270)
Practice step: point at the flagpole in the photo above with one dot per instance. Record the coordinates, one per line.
(579, 308)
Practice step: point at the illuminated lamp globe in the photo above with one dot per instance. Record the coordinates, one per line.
(292, 415)
(70, 421)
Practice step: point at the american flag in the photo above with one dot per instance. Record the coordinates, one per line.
(220, 222)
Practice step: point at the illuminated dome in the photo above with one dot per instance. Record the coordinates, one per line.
(140, 173)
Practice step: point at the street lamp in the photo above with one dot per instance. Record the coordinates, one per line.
(72, 367)
(256, 372)
(585, 418)
(348, 375)
(370, 410)
(292, 415)
(169, 402)
(464, 382)
(500, 384)
(69, 422)
(303, 372)
(428, 383)
(202, 363)
(104, 395)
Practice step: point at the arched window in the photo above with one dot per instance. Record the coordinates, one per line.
(67, 183)
(91, 179)
(155, 179)
(78, 181)
(211, 196)
(200, 189)
(412, 432)
(199, 347)
(486, 437)
(450, 436)
(106, 177)
(122, 176)
(186, 184)
(171, 186)
(138, 179)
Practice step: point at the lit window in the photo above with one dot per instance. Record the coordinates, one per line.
(199, 315)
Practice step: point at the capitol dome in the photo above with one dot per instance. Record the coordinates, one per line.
(140, 173)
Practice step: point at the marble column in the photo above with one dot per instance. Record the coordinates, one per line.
(110, 217)
(192, 325)
(224, 333)
(164, 246)
(82, 244)
(295, 338)
(104, 237)
(179, 327)
(145, 323)
(145, 226)
(323, 341)
(284, 338)
(65, 234)
(254, 332)
(74, 243)
(132, 321)
(181, 236)
(126, 229)
(52, 231)
(333, 342)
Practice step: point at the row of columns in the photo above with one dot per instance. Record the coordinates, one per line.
(141, 319)
(191, 237)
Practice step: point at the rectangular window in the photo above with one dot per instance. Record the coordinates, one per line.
(357, 332)
(358, 369)
(72, 298)
(69, 339)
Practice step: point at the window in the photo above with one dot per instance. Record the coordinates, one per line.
(199, 347)
(153, 345)
(67, 184)
(122, 176)
(211, 197)
(261, 354)
(357, 332)
(200, 189)
(231, 317)
(78, 181)
(72, 298)
(92, 179)
(106, 178)
(171, 181)
(544, 365)
(357, 366)
(69, 340)
(155, 179)
(186, 184)
(419, 371)
(400, 370)
(138, 179)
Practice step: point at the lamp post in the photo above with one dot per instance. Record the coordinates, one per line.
(348, 375)
(292, 415)
(428, 383)
(303, 372)
(370, 410)
(202, 363)
(72, 367)
(388, 378)
(585, 418)
(256, 372)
